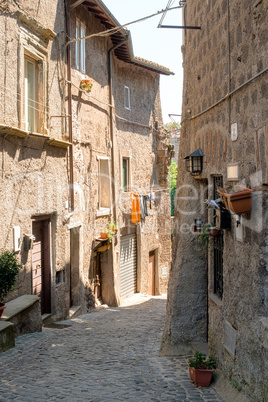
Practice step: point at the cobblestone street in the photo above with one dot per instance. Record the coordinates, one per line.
(108, 355)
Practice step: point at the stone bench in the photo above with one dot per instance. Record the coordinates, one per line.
(24, 313)
(7, 337)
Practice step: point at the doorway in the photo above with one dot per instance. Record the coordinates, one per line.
(97, 277)
(41, 268)
(74, 266)
(151, 274)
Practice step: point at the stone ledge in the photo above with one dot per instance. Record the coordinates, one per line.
(16, 306)
(25, 313)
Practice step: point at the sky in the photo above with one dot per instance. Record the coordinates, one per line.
(159, 45)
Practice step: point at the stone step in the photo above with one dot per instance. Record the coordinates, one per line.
(46, 318)
(74, 311)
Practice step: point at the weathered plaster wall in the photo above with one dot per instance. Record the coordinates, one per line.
(206, 81)
(92, 138)
(33, 179)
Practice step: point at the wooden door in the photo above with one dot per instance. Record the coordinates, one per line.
(75, 267)
(41, 276)
(151, 274)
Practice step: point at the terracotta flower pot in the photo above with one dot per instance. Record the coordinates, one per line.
(201, 377)
(2, 308)
(103, 235)
(237, 203)
(214, 232)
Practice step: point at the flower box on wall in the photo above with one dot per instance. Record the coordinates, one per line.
(237, 203)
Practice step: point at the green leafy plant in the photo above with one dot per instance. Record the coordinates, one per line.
(9, 269)
(111, 230)
(235, 384)
(173, 173)
(201, 361)
(203, 238)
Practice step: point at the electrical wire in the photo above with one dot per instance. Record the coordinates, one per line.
(22, 95)
(119, 27)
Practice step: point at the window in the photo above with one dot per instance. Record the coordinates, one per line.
(104, 199)
(33, 67)
(125, 174)
(33, 97)
(30, 94)
(80, 48)
(127, 98)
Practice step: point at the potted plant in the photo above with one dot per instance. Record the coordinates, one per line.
(9, 269)
(214, 232)
(111, 226)
(86, 85)
(203, 237)
(103, 235)
(201, 369)
(109, 232)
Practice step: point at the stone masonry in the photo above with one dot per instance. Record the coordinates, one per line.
(222, 295)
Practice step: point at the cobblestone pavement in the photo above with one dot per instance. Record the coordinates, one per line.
(108, 355)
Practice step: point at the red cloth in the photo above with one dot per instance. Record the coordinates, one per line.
(135, 212)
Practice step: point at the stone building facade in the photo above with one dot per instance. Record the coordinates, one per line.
(219, 293)
(34, 159)
(72, 159)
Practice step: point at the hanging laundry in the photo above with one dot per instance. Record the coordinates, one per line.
(135, 212)
(143, 205)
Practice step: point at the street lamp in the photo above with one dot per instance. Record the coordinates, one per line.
(194, 162)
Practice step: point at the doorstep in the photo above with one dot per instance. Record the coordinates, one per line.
(74, 311)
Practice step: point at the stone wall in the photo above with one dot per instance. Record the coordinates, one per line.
(36, 165)
(34, 179)
(218, 93)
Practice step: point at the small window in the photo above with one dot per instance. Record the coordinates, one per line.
(31, 103)
(127, 98)
(125, 174)
(104, 199)
(80, 48)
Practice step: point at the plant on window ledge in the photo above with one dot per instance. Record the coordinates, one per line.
(86, 85)
(110, 232)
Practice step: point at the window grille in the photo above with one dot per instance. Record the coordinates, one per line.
(218, 246)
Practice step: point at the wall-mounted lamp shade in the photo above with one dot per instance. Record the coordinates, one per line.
(194, 162)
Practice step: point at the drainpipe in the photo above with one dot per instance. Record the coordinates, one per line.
(110, 78)
(70, 120)
(229, 66)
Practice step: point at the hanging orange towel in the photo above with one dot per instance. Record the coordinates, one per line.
(135, 212)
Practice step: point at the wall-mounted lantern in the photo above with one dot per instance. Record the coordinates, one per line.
(194, 162)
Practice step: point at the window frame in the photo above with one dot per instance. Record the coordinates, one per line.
(126, 187)
(103, 210)
(127, 97)
(80, 46)
(35, 123)
(33, 48)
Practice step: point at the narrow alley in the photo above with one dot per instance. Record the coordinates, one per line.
(108, 355)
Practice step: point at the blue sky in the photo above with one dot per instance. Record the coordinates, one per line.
(162, 46)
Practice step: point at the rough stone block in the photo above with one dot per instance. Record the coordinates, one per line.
(7, 336)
